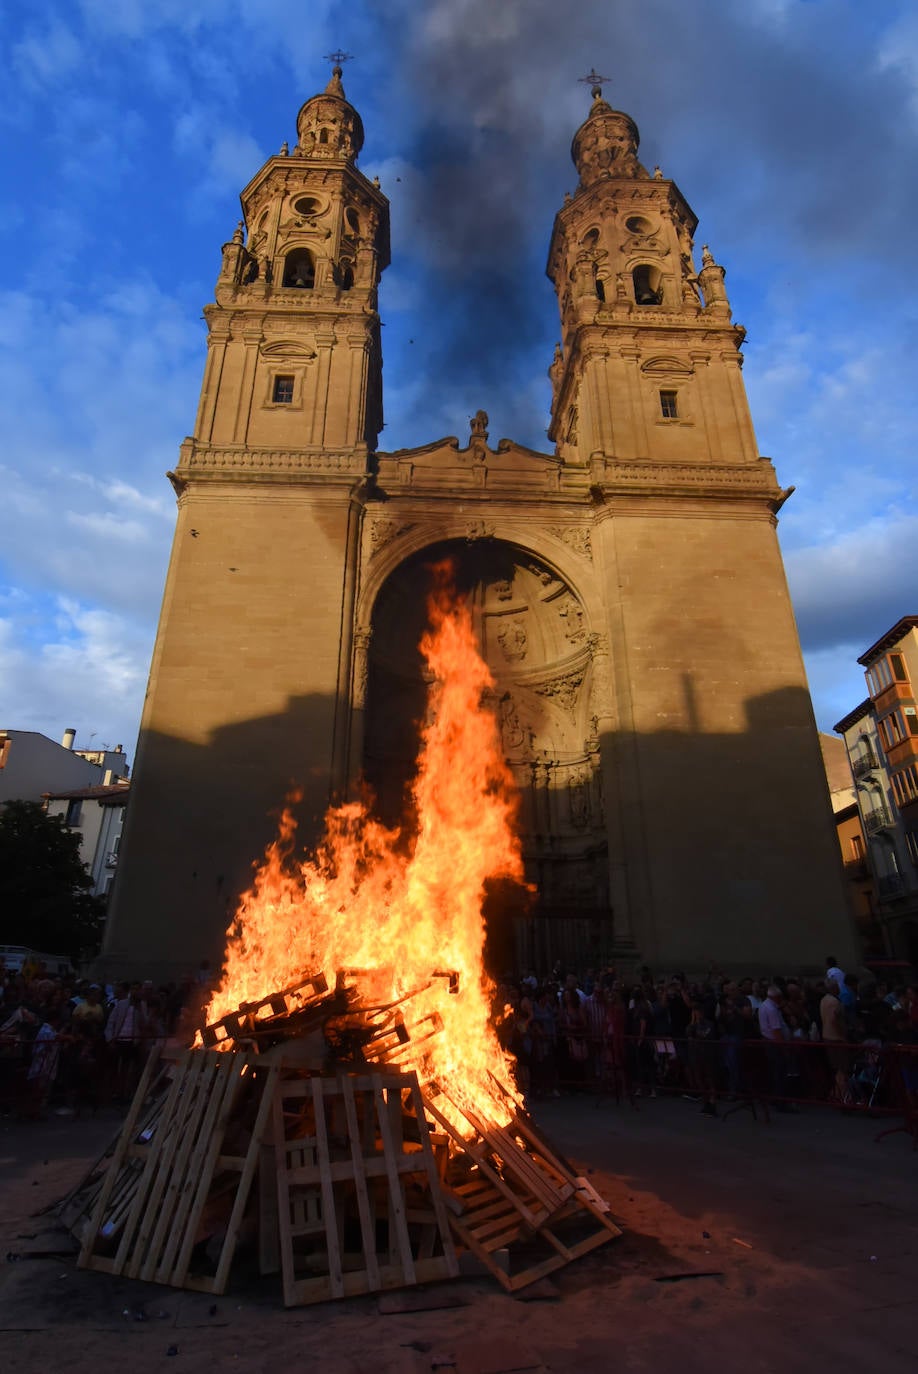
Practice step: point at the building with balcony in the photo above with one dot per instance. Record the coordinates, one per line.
(96, 815)
(881, 737)
(852, 843)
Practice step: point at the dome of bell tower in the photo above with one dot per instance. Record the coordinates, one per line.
(606, 143)
(328, 126)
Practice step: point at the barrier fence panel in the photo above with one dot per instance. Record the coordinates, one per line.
(869, 1076)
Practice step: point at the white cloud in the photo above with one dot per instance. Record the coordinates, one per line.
(45, 56)
(93, 404)
(225, 159)
(90, 671)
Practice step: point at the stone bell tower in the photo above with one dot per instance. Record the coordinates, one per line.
(250, 668)
(649, 364)
(627, 589)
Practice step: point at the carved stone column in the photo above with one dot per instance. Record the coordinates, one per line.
(357, 714)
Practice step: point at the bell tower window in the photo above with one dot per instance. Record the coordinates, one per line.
(282, 392)
(648, 288)
(600, 288)
(669, 408)
(300, 269)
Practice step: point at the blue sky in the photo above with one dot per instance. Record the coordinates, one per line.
(130, 126)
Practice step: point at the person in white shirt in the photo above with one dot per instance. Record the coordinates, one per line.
(776, 1033)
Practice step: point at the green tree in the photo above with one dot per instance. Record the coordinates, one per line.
(44, 898)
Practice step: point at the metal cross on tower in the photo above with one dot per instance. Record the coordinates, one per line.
(594, 81)
(337, 57)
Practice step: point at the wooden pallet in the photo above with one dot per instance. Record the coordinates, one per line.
(511, 1200)
(359, 1207)
(76, 1208)
(260, 1018)
(169, 1181)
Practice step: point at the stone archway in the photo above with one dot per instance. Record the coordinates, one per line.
(534, 635)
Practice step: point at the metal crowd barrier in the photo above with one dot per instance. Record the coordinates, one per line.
(872, 1077)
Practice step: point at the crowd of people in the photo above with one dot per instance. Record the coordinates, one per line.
(718, 1038)
(69, 1045)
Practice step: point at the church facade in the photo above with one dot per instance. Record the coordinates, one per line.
(627, 587)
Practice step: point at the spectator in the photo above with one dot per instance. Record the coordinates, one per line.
(835, 1034)
(573, 1029)
(776, 1034)
(833, 971)
(702, 1057)
(735, 1021)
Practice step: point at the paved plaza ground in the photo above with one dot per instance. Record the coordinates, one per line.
(788, 1246)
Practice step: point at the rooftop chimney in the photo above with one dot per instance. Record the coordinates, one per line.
(69, 737)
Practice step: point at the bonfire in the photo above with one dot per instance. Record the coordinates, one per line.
(349, 1066)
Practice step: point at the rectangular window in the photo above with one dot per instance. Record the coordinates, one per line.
(283, 391)
(74, 812)
(857, 847)
(911, 840)
(898, 667)
(668, 407)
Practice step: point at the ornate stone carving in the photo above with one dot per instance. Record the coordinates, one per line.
(600, 684)
(564, 690)
(384, 531)
(207, 459)
(289, 350)
(516, 737)
(706, 475)
(571, 613)
(479, 529)
(576, 537)
(503, 590)
(578, 796)
(513, 640)
(361, 669)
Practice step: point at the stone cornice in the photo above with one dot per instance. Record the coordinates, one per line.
(230, 462)
(612, 477)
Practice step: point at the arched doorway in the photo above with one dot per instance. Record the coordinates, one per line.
(534, 635)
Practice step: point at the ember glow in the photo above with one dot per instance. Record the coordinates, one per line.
(402, 907)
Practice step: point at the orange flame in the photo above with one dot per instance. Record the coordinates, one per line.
(370, 900)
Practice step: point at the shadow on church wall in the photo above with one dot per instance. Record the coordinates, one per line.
(720, 845)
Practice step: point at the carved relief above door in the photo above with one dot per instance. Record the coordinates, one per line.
(534, 635)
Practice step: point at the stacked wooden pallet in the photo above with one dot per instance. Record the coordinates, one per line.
(343, 1173)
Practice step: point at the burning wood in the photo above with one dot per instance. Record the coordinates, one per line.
(372, 1113)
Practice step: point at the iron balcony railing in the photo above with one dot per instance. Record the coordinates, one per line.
(876, 820)
(864, 763)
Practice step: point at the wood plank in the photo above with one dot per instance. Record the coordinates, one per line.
(156, 1170)
(176, 1256)
(170, 1166)
(245, 1182)
(285, 1238)
(268, 1233)
(335, 1279)
(433, 1180)
(367, 1218)
(396, 1200)
(112, 1173)
(485, 1166)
